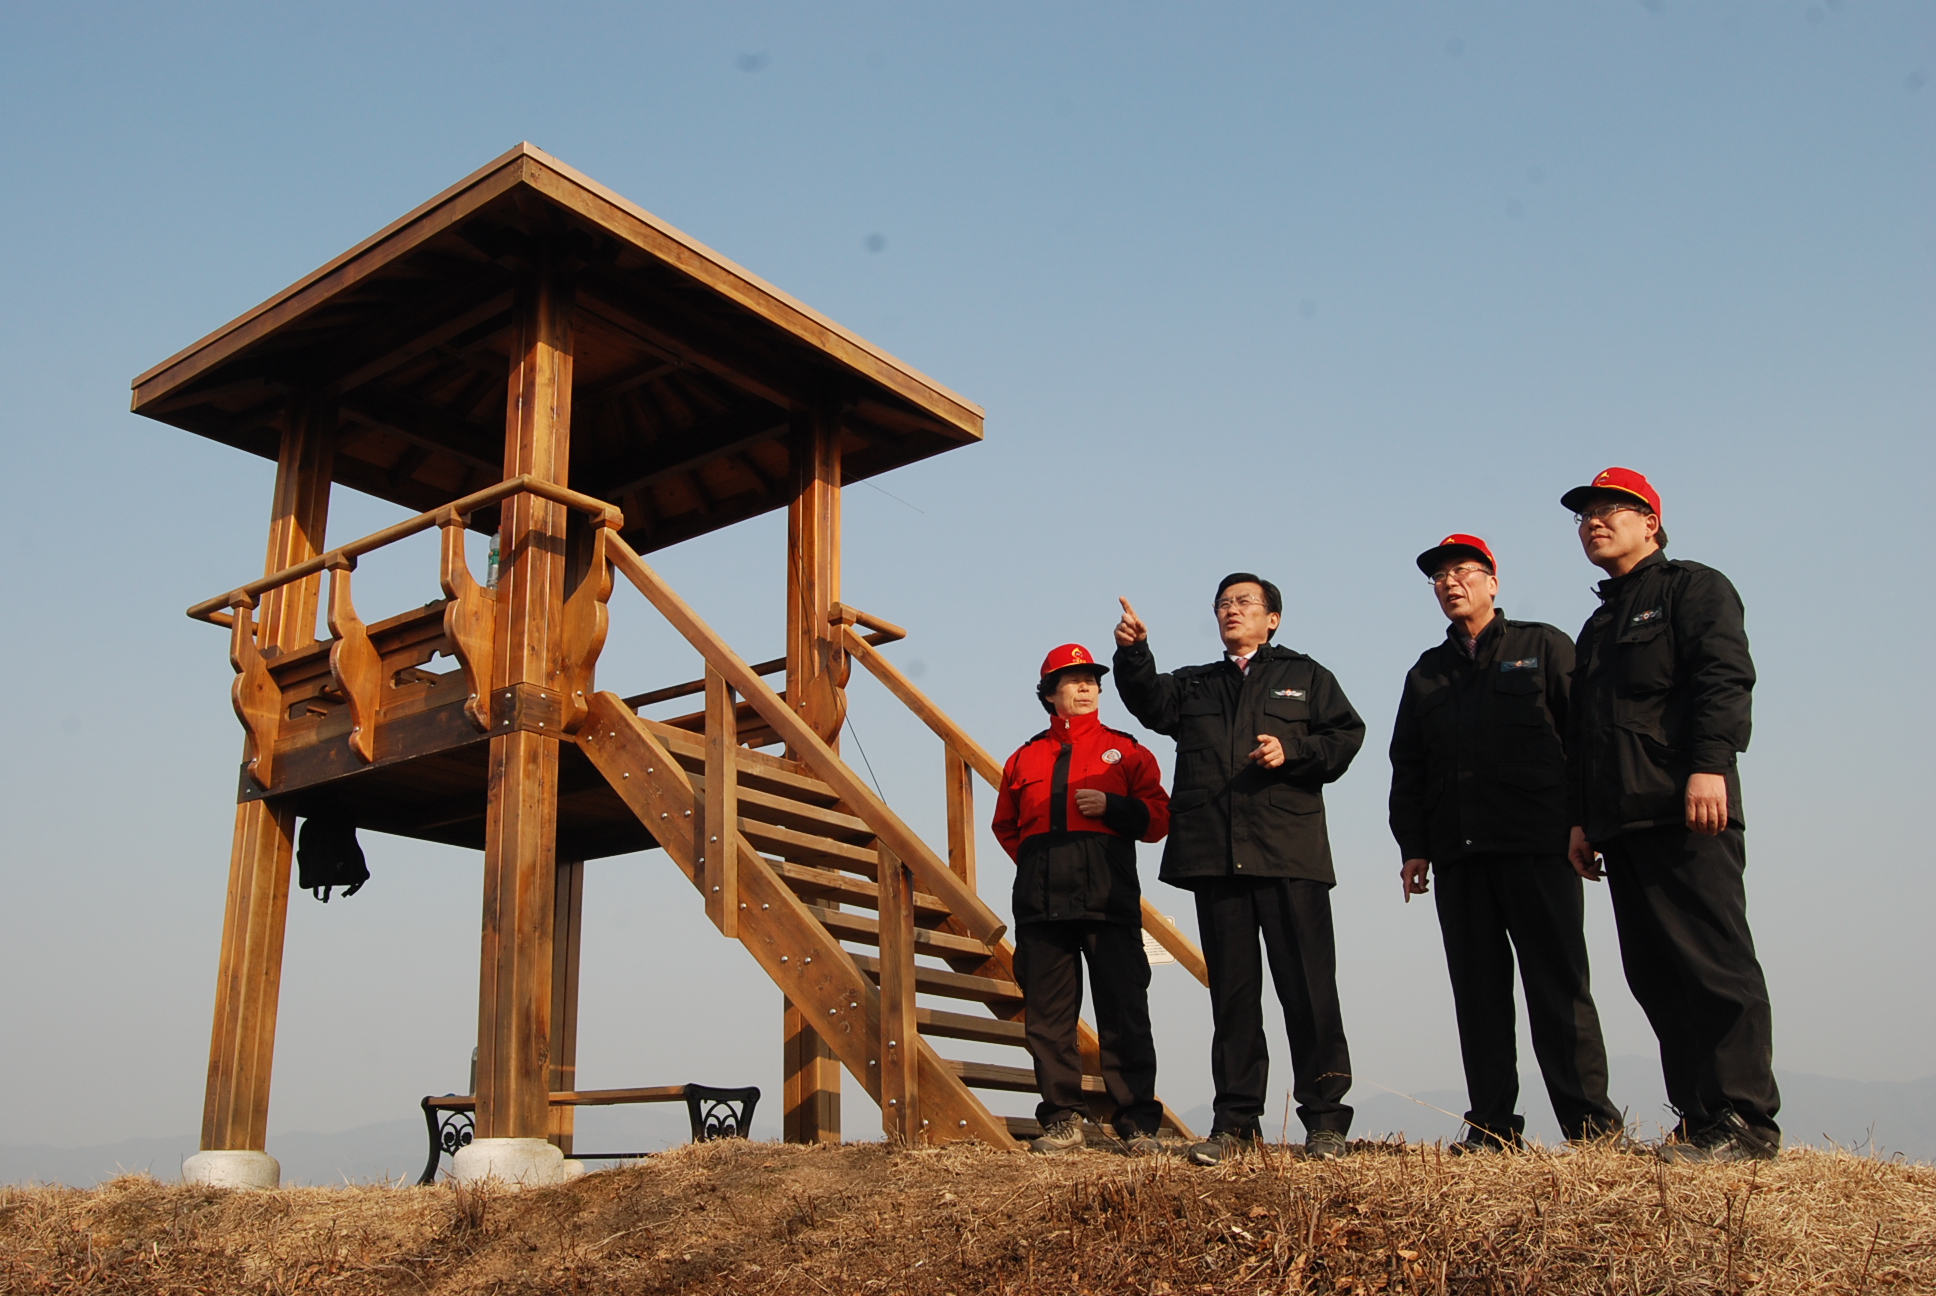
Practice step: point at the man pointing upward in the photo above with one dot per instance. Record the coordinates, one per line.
(1258, 735)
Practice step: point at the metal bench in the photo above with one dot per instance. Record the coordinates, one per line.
(714, 1113)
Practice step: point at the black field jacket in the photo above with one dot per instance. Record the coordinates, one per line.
(1477, 758)
(1662, 688)
(1230, 817)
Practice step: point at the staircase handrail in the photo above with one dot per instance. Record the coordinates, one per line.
(935, 876)
(213, 610)
(1181, 947)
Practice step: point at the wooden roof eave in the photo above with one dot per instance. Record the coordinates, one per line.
(526, 165)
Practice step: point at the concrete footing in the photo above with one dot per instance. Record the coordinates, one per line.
(513, 1163)
(232, 1170)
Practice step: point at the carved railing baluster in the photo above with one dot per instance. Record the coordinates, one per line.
(258, 700)
(470, 622)
(354, 661)
(585, 622)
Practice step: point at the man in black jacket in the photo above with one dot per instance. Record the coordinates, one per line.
(1258, 735)
(1661, 707)
(1478, 794)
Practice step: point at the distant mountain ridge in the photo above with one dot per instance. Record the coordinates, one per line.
(1890, 1118)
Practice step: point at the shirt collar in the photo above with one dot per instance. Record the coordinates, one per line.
(1075, 728)
(1613, 583)
(1492, 630)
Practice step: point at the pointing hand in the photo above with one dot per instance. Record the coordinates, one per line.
(1130, 629)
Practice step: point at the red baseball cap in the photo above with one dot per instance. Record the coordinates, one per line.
(1613, 484)
(1070, 657)
(1457, 545)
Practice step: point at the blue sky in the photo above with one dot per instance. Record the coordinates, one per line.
(1295, 288)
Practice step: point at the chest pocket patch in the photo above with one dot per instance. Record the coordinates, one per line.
(1645, 653)
(1522, 664)
(1292, 694)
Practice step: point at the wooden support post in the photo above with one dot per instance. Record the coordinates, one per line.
(719, 844)
(960, 787)
(812, 1073)
(567, 923)
(235, 1107)
(816, 684)
(521, 827)
(900, 1050)
(816, 659)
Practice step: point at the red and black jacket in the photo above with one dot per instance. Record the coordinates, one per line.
(1067, 865)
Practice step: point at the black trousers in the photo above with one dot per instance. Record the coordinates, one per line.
(1491, 907)
(1293, 915)
(1682, 909)
(1048, 966)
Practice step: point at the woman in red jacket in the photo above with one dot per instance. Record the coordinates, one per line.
(1073, 803)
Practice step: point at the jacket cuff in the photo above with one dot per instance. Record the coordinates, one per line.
(1713, 760)
(1126, 816)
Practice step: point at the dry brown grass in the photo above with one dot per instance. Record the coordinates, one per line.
(739, 1217)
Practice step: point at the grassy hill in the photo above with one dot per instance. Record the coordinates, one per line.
(766, 1218)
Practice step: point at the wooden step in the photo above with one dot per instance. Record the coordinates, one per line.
(941, 1024)
(950, 985)
(1008, 1079)
(750, 726)
(800, 816)
(757, 769)
(824, 884)
(808, 848)
(867, 931)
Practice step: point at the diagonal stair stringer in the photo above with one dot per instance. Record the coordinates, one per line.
(800, 955)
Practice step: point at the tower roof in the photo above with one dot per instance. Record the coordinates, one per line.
(688, 371)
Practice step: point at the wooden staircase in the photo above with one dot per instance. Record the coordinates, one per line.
(812, 862)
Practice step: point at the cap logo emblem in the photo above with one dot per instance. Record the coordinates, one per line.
(1075, 654)
(1111, 756)
(1643, 618)
(1524, 663)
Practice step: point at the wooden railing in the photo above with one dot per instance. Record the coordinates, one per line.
(456, 512)
(727, 674)
(365, 662)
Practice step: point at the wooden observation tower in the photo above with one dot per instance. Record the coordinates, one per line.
(531, 356)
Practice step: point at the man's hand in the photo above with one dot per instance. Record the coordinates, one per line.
(1130, 630)
(1091, 802)
(1412, 877)
(1580, 853)
(1269, 752)
(1707, 803)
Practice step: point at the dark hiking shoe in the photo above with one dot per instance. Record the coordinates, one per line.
(1325, 1145)
(1143, 1145)
(1063, 1136)
(1728, 1138)
(1479, 1140)
(1222, 1146)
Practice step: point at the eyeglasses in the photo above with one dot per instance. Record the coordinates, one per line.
(1462, 573)
(1601, 512)
(1241, 601)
